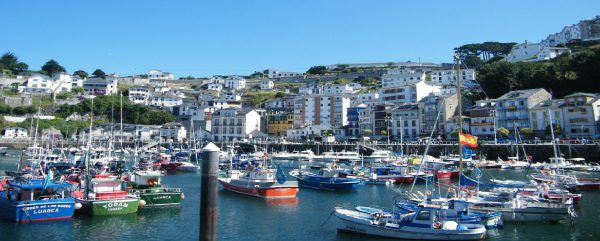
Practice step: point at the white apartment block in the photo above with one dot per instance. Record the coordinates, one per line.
(172, 131)
(139, 95)
(539, 119)
(407, 93)
(483, 115)
(581, 113)
(327, 110)
(159, 75)
(305, 132)
(364, 98)
(234, 124)
(13, 132)
(329, 89)
(100, 86)
(512, 108)
(235, 82)
(448, 76)
(399, 76)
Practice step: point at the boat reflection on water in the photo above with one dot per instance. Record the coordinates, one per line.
(158, 213)
(282, 201)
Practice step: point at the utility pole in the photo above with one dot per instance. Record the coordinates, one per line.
(458, 94)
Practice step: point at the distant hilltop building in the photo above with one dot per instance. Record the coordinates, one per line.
(159, 75)
(274, 73)
(407, 64)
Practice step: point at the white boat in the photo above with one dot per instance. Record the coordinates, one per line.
(528, 209)
(347, 156)
(294, 156)
(514, 163)
(378, 156)
(424, 224)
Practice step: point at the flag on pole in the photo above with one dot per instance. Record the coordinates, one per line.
(468, 140)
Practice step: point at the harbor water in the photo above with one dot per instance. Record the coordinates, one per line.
(307, 217)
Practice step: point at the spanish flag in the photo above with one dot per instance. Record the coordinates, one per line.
(468, 140)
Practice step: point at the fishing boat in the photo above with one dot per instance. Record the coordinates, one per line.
(147, 185)
(422, 224)
(390, 173)
(326, 179)
(343, 156)
(35, 200)
(258, 182)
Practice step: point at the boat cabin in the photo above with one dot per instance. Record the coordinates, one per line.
(106, 188)
(35, 189)
(262, 175)
(145, 179)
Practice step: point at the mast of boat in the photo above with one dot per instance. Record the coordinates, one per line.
(121, 134)
(88, 154)
(553, 140)
(458, 95)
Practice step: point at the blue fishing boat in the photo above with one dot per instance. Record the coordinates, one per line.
(35, 200)
(326, 179)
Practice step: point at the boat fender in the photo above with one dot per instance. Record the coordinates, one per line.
(437, 225)
(142, 203)
(78, 205)
(182, 196)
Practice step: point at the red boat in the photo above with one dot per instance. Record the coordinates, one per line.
(442, 174)
(259, 183)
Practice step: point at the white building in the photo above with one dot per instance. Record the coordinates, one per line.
(274, 73)
(329, 89)
(512, 108)
(215, 87)
(13, 133)
(483, 115)
(235, 82)
(581, 113)
(165, 100)
(38, 83)
(305, 132)
(533, 52)
(234, 124)
(539, 120)
(406, 123)
(448, 76)
(267, 85)
(173, 131)
(400, 76)
(139, 95)
(100, 86)
(363, 98)
(326, 110)
(407, 93)
(159, 75)
(310, 89)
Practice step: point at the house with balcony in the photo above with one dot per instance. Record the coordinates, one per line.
(234, 124)
(581, 113)
(483, 122)
(540, 120)
(406, 122)
(513, 108)
(100, 86)
(173, 131)
(278, 124)
(13, 133)
(139, 95)
(407, 93)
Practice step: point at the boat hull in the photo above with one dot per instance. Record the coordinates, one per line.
(353, 185)
(159, 198)
(532, 214)
(288, 191)
(38, 210)
(109, 207)
(348, 224)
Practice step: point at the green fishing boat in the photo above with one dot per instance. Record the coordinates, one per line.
(146, 184)
(104, 196)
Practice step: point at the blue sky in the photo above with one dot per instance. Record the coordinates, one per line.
(202, 38)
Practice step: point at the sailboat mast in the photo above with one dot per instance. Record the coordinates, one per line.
(458, 95)
(121, 93)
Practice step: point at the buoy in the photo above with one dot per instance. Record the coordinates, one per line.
(142, 203)
(78, 205)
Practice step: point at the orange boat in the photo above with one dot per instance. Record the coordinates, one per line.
(265, 183)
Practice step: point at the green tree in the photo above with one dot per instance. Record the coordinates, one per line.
(77, 90)
(342, 81)
(526, 132)
(279, 95)
(63, 95)
(52, 67)
(503, 132)
(367, 132)
(10, 62)
(81, 73)
(317, 70)
(99, 73)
